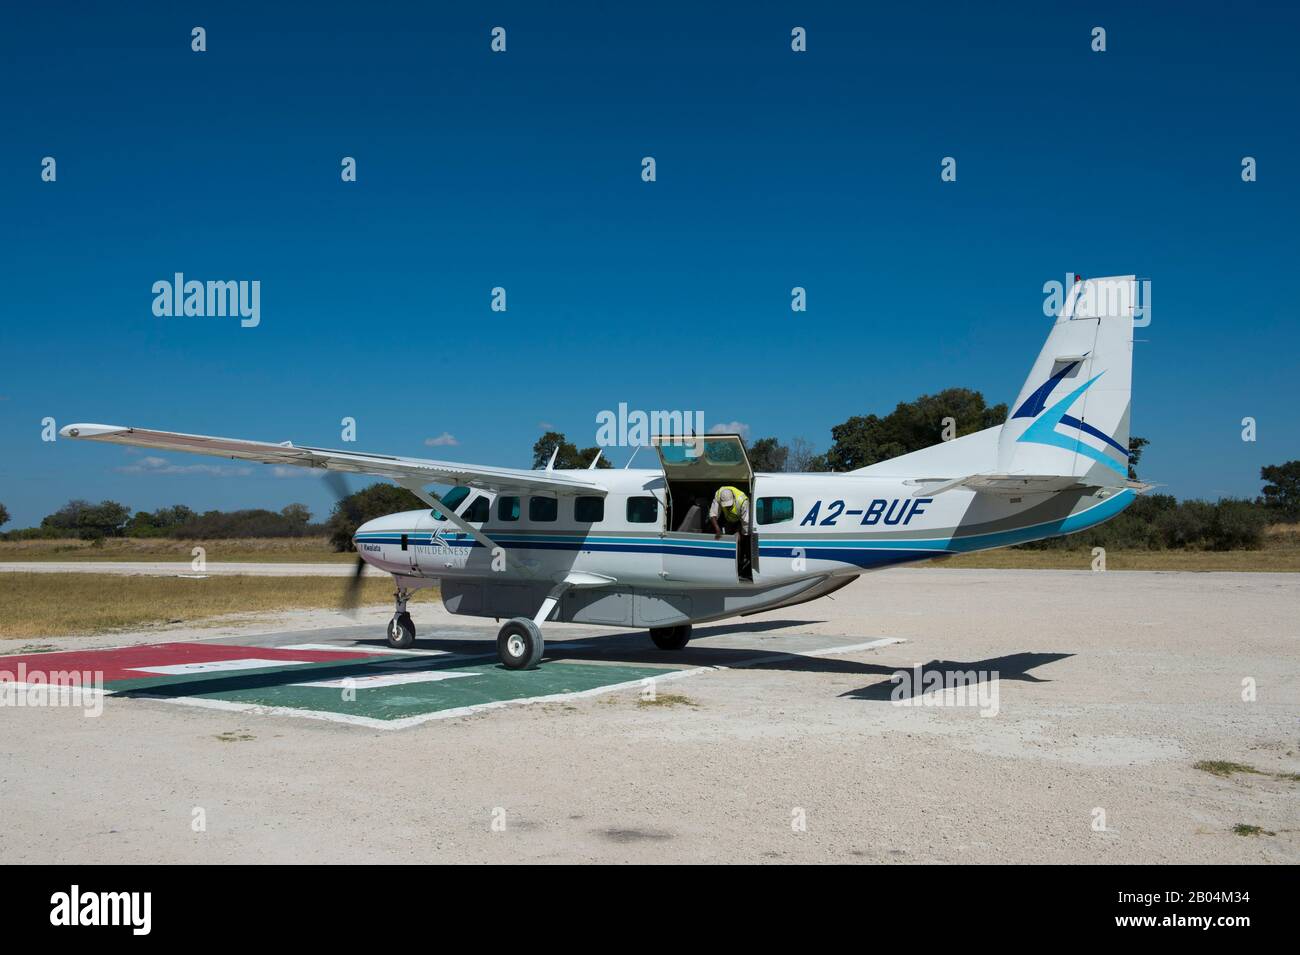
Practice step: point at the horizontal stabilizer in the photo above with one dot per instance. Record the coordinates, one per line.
(1014, 484)
(1006, 484)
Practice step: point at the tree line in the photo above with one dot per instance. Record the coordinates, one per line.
(88, 521)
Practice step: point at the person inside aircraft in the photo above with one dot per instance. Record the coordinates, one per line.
(730, 507)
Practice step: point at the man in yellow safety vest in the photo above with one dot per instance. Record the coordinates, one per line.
(731, 507)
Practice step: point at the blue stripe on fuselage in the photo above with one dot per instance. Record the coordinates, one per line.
(862, 553)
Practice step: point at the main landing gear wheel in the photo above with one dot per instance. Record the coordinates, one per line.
(671, 638)
(520, 644)
(401, 631)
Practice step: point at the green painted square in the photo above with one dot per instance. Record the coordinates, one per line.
(487, 682)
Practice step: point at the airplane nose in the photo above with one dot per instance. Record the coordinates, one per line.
(366, 528)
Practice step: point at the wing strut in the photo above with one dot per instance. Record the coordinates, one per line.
(416, 488)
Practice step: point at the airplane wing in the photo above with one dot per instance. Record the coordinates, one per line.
(409, 472)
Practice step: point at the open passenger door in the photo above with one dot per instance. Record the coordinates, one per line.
(695, 466)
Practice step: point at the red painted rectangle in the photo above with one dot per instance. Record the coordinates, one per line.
(118, 663)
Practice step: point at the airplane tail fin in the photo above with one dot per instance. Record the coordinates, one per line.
(1072, 415)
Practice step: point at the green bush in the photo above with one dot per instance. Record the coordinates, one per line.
(1237, 525)
(1161, 521)
(256, 522)
(1185, 526)
(34, 533)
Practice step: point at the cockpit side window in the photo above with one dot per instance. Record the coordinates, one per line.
(453, 499)
(478, 510)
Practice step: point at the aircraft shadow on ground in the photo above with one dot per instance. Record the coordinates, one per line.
(1015, 666)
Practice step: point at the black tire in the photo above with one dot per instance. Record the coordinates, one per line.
(671, 638)
(401, 632)
(520, 644)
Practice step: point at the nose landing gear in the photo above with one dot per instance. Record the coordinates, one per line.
(401, 629)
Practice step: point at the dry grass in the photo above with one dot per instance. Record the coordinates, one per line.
(1223, 767)
(257, 549)
(1242, 829)
(1283, 533)
(668, 699)
(1274, 560)
(55, 605)
(1226, 768)
(1280, 554)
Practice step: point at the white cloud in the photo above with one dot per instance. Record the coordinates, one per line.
(444, 440)
(156, 465)
(281, 471)
(731, 427)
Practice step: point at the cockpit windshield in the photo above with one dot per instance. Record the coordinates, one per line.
(453, 499)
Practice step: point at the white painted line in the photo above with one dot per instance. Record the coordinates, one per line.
(335, 648)
(405, 722)
(273, 710)
(220, 666)
(855, 647)
(6, 687)
(826, 652)
(549, 698)
(386, 679)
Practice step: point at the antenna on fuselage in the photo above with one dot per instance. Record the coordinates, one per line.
(635, 449)
(592, 465)
(550, 465)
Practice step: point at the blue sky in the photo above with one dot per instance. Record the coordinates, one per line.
(522, 170)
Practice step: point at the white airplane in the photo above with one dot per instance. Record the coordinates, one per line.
(633, 548)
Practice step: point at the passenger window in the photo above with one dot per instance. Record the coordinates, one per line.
(542, 508)
(588, 510)
(642, 510)
(507, 508)
(478, 510)
(774, 510)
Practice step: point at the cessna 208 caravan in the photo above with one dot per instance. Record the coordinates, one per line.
(633, 547)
